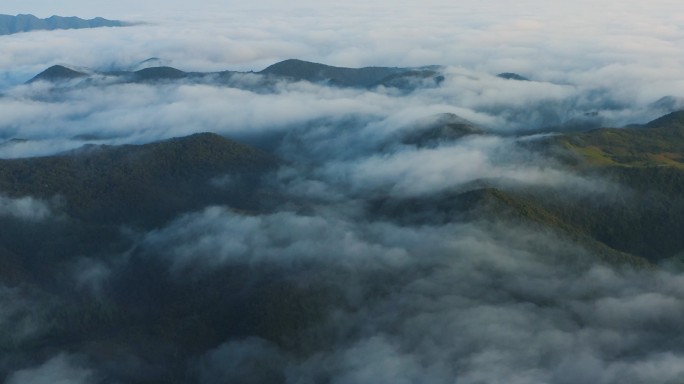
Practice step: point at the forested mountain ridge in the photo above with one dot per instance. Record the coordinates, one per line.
(146, 183)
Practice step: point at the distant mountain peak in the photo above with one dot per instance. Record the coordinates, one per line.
(297, 68)
(289, 63)
(314, 72)
(512, 76)
(159, 73)
(58, 72)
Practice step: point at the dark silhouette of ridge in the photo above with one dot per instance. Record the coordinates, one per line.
(159, 73)
(58, 72)
(25, 23)
(315, 72)
(512, 76)
(406, 79)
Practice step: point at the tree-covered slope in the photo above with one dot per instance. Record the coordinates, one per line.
(634, 215)
(645, 216)
(659, 143)
(144, 183)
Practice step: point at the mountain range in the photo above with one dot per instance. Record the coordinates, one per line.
(25, 23)
(199, 258)
(123, 184)
(118, 184)
(289, 70)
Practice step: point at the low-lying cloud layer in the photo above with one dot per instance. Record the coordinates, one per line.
(59, 369)
(475, 302)
(45, 119)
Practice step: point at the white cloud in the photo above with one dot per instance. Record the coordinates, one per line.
(26, 208)
(60, 369)
(199, 240)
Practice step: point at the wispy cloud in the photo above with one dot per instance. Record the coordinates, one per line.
(26, 208)
(59, 369)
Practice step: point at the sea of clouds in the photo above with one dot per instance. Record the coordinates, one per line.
(475, 301)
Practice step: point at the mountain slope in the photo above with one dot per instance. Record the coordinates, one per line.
(647, 217)
(659, 143)
(146, 183)
(643, 221)
(541, 211)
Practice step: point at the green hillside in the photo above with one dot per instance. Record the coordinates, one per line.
(660, 143)
(647, 217)
(641, 222)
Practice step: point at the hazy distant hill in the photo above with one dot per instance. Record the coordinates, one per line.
(58, 72)
(25, 23)
(440, 128)
(341, 76)
(159, 73)
(314, 72)
(512, 76)
(290, 70)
